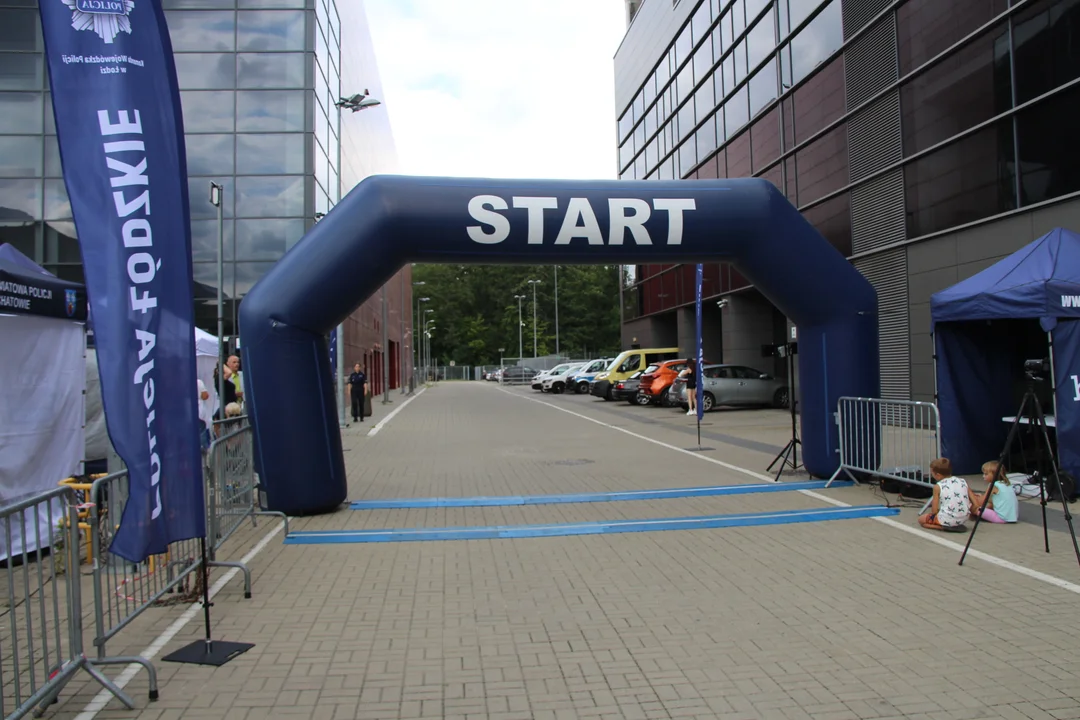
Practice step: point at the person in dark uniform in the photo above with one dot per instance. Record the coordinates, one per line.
(357, 381)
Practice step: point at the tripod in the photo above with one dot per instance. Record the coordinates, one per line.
(1031, 411)
(789, 456)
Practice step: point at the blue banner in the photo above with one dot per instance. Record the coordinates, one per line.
(700, 357)
(119, 125)
(1066, 353)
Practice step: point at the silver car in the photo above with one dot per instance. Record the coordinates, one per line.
(734, 385)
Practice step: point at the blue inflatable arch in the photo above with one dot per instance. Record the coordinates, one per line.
(387, 221)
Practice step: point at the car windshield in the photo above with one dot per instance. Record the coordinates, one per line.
(611, 367)
(651, 369)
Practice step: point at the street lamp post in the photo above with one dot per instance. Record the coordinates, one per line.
(501, 351)
(521, 350)
(385, 349)
(217, 199)
(418, 340)
(556, 309)
(534, 283)
(429, 370)
(427, 341)
(355, 103)
(401, 333)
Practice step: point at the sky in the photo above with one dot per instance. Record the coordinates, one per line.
(500, 88)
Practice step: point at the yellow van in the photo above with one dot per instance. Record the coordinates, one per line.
(628, 363)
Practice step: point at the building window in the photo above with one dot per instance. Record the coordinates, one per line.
(812, 45)
(963, 182)
(1047, 40)
(820, 101)
(832, 219)
(1049, 148)
(738, 157)
(765, 140)
(925, 28)
(957, 93)
(822, 166)
(206, 71)
(202, 30)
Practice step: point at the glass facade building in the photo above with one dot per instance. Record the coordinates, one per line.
(259, 80)
(923, 138)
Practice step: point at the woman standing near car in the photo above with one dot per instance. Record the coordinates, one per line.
(690, 373)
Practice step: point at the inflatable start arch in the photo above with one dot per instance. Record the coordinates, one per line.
(387, 221)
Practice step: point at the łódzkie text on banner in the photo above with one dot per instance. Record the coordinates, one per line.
(700, 357)
(119, 126)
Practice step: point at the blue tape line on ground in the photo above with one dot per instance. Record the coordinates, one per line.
(507, 500)
(780, 517)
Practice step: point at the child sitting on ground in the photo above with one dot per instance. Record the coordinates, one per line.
(951, 503)
(1002, 506)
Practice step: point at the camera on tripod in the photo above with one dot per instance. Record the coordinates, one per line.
(1034, 368)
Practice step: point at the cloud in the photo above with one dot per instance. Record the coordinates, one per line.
(491, 88)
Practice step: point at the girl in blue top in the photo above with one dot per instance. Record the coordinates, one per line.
(1003, 506)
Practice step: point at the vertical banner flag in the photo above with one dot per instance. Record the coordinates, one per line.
(118, 121)
(700, 357)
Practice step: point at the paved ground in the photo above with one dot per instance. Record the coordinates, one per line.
(845, 619)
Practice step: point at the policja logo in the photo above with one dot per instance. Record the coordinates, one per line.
(108, 18)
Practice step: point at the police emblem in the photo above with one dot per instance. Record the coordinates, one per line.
(107, 18)
(69, 302)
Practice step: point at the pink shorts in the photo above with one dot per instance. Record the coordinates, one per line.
(990, 516)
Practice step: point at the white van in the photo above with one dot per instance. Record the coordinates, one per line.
(556, 382)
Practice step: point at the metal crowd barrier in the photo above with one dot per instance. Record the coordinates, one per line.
(231, 485)
(123, 590)
(41, 637)
(894, 439)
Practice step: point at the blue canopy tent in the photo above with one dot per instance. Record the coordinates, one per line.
(1024, 307)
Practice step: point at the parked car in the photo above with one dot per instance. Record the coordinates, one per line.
(556, 380)
(626, 389)
(734, 385)
(582, 379)
(518, 375)
(538, 379)
(656, 382)
(625, 365)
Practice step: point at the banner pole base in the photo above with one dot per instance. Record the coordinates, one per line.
(208, 651)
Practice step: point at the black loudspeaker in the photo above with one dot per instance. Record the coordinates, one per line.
(908, 490)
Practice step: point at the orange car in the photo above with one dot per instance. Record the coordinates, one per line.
(656, 381)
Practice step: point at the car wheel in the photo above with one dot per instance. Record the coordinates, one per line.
(609, 394)
(707, 401)
(582, 387)
(557, 388)
(641, 399)
(780, 399)
(665, 397)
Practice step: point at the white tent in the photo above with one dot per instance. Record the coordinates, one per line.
(42, 379)
(206, 359)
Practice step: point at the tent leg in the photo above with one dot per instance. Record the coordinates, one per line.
(1053, 396)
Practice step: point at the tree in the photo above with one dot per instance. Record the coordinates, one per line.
(476, 313)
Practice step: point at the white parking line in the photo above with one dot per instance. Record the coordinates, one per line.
(102, 699)
(379, 425)
(917, 532)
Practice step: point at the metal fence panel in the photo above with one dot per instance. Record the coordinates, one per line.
(231, 487)
(41, 638)
(887, 438)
